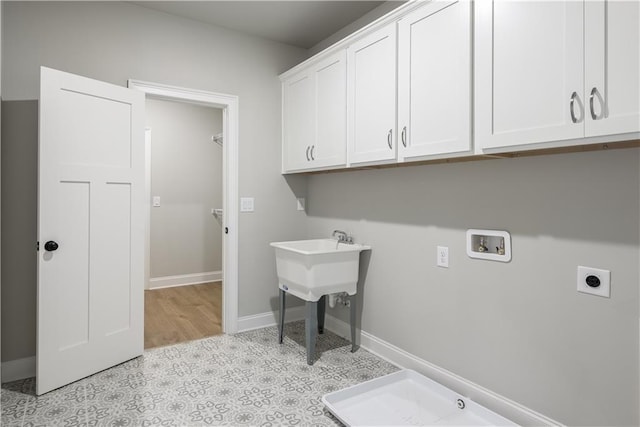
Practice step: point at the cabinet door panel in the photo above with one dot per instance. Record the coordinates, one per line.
(434, 81)
(331, 111)
(529, 62)
(372, 97)
(612, 67)
(298, 122)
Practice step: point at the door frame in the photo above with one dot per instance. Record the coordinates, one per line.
(230, 200)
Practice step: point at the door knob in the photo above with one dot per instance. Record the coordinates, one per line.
(50, 246)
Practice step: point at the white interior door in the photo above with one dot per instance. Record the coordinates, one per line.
(91, 204)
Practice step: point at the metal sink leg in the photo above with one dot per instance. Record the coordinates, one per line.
(281, 326)
(352, 321)
(311, 329)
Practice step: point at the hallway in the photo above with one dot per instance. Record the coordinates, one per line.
(183, 313)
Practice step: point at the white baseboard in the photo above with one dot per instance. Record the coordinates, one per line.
(184, 279)
(263, 320)
(18, 369)
(499, 404)
(25, 368)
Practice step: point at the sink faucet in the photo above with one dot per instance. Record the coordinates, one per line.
(342, 237)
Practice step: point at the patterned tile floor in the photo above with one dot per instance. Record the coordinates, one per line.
(242, 379)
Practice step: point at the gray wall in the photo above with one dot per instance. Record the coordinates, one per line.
(19, 187)
(113, 42)
(520, 329)
(186, 173)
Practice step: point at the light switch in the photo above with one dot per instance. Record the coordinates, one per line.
(156, 201)
(246, 204)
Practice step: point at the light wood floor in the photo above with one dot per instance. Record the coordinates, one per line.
(183, 313)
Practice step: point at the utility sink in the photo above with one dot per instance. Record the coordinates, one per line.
(310, 269)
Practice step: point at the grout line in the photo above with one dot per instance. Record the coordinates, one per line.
(30, 400)
(86, 406)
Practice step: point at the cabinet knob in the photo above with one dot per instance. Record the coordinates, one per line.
(389, 136)
(404, 137)
(311, 152)
(308, 153)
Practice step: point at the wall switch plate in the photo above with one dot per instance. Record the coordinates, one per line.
(594, 281)
(246, 204)
(156, 201)
(443, 256)
(300, 203)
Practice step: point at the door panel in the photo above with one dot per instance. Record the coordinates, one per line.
(114, 285)
(612, 67)
(73, 224)
(331, 111)
(372, 97)
(529, 61)
(298, 122)
(91, 200)
(434, 82)
(86, 138)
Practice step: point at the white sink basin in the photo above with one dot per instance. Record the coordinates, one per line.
(310, 269)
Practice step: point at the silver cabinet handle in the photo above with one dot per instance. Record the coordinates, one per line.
(389, 136)
(312, 147)
(308, 153)
(404, 136)
(574, 95)
(594, 92)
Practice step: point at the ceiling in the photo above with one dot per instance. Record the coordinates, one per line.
(297, 23)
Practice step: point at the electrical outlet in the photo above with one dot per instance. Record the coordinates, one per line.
(156, 201)
(443, 256)
(246, 204)
(594, 281)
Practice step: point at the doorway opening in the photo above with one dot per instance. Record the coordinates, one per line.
(225, 217)
(183, 297)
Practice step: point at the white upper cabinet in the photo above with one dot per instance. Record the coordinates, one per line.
(314, 116)
(612, 67)
(371, 105)
(298, 121)
(528, 72)
(552, 71)
(331, 111)
(434, 80)
(541, 74)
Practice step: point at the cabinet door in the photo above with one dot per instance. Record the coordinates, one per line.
(434, 80)
(612, 67)
(330, 148)
(371, 80)
(529, 72)
(298, 122)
